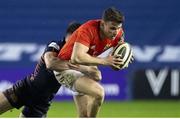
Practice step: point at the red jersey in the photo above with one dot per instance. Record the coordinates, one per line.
(88, 35)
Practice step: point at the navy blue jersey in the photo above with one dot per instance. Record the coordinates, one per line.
(37, 90)
(45, 84)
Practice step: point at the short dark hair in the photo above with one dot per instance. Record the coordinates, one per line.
(72, 27)
(112, 14)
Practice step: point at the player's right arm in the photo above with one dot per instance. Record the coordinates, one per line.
(54, 63)
(50, 57)
(80, 56)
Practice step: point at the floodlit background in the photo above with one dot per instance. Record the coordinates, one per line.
(150, 87)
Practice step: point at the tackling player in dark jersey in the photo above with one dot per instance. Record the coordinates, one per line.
(36, 91)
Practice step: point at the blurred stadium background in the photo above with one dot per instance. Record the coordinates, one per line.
(150, 87)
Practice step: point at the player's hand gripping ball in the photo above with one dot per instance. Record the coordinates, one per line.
(124, 50)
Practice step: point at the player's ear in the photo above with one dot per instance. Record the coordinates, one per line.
(102, 23)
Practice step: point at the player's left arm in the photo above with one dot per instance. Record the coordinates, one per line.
(54, 63)
(91, 71)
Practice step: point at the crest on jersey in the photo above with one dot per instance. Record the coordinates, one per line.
(107, 46)
(93, 47)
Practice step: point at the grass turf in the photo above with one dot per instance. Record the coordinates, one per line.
(160, 108)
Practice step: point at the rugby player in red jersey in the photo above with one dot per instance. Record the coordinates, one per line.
(85, 44)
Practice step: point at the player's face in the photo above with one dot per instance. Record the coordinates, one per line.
(111, 29)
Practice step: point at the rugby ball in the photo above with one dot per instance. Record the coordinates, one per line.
(125, 51)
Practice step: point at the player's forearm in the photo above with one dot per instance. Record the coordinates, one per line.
(54, 63)
(91, 71)
(86, 59)
(57, 64)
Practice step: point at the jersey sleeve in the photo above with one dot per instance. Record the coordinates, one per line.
(54, 46)
(84, 36)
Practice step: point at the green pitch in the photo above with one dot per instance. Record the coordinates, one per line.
(122, 109)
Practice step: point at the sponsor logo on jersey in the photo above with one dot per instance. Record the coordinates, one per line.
(54, 45)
